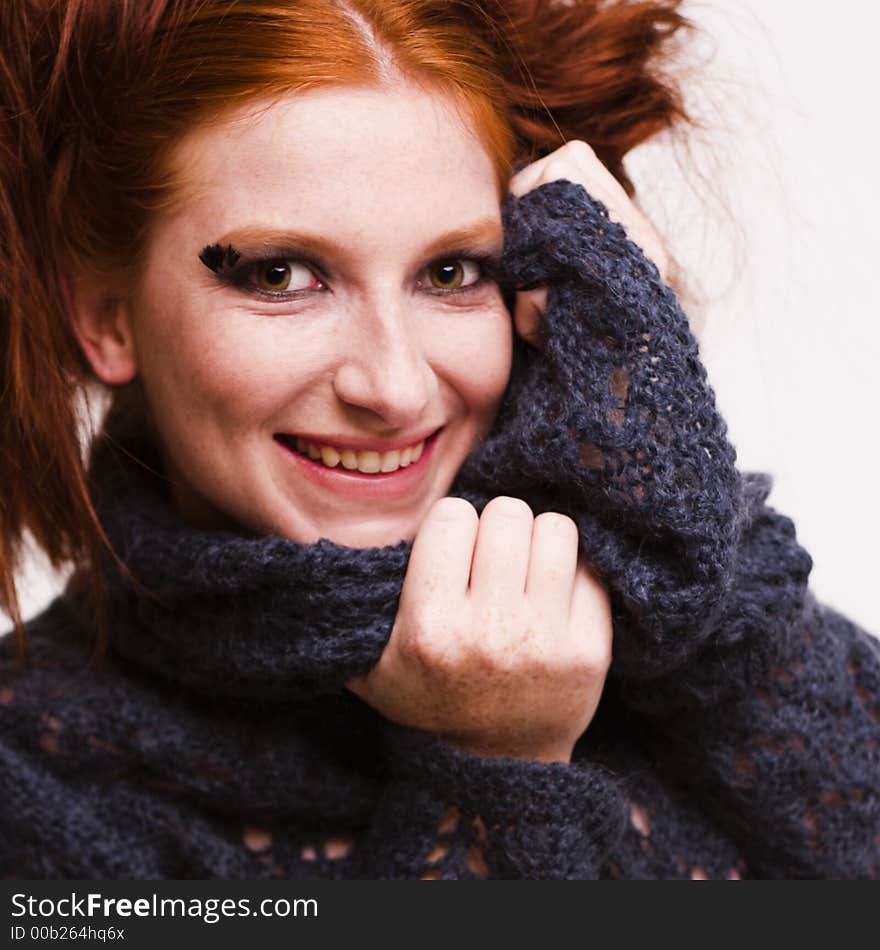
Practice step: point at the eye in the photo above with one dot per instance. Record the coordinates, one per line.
(454, 274)
(280, 276)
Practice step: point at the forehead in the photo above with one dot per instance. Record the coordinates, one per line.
(347, 159)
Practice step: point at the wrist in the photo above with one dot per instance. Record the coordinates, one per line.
(560, 751)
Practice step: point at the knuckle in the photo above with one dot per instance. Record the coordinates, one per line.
(494, 621)
(438, 644)
(595, 655)
(577, 147)
(537, 628)
(558, 167)
(428, 651)
(422, 641)
(520, 184)
(504, 641)
(488, 661)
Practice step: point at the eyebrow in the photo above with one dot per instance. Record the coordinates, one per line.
(487, 232)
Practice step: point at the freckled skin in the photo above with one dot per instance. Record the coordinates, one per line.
(502, 640)
(383, 173)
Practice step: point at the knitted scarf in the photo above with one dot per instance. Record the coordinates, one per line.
(611, 423)
(224, 697)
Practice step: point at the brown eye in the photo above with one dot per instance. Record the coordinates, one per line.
(454, 274)
(447, 275)
(283, 276)
(273, 275)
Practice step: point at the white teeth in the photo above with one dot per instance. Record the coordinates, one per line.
(329, 456)
(369, 462)
(390, 461)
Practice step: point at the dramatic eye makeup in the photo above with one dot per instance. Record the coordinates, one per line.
(215, 257)
(274, 277)
(267, 272)
(285, 273)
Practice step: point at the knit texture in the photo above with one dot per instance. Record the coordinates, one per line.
(739, 730)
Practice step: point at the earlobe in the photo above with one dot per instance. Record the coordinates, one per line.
(102, 325)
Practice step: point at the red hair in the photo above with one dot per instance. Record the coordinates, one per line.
(97, 92)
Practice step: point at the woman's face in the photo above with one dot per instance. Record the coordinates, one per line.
(350, 315)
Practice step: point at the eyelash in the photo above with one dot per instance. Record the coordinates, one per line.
(489, 266)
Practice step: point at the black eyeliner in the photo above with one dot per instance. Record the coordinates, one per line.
(490, 271)
(233, 267)
(266, 254)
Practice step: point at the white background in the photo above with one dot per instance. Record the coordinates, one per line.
(786, 259)
(773, 213)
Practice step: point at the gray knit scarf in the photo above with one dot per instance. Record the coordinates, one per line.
(225, 695)
(612, 423)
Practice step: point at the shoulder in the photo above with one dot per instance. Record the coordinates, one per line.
(55, 642)
(33, 687)
(57, 677)
(49, 704)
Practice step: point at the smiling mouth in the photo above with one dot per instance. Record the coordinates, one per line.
(361, 462)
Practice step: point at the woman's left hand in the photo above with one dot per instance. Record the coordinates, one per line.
(577, 162)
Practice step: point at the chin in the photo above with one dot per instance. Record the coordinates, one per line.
(373, 534)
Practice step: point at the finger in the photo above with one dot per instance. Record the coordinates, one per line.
(578, 162)
(575, 161)
(440, 561)
(501, 556)
(553, 562)
(529, 177)
(591, 615)
(528, 316)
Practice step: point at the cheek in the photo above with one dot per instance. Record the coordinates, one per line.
(227, 372)
(474, 353)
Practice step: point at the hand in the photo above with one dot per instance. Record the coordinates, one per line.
(502, 640)
(577, 162)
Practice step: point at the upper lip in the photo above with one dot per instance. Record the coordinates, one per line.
(356, 444)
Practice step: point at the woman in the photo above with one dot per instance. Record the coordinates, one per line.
(370, 548)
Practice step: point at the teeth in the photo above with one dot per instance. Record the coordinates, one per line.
(390, 461)
(329, 456)
(367, 462)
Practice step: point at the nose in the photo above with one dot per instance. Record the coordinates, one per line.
(384, 367)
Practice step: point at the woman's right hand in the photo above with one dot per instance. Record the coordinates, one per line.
(575, 161)
(502, 640)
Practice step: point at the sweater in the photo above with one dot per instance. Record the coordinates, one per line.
(738, 735)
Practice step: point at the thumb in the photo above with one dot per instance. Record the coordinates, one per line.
(528, 314)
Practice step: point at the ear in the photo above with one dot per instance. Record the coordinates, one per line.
(102, 325)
